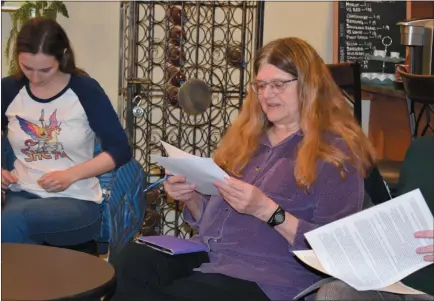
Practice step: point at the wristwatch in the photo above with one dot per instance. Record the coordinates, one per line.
(277, 218)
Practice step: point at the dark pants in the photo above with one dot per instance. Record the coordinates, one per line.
(148, 275)
(338, 290)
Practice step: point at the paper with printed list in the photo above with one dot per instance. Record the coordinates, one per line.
(200, 171)
(373, 249)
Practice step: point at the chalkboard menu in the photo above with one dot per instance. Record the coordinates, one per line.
(368, 33)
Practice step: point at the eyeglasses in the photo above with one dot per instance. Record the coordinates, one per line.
(277, 86)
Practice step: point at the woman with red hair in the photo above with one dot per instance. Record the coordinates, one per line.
(297, 160)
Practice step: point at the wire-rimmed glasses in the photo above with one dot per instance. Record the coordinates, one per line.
(277, 86)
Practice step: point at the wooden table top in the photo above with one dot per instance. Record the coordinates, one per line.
(386, 90)
(33, 272)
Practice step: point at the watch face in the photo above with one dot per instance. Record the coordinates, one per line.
(280, 217)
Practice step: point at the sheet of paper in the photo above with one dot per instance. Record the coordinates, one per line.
(174, 151)
(309, 258)
(375, 248)
(200, 171)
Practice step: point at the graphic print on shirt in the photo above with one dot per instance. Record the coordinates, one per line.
(44, 143)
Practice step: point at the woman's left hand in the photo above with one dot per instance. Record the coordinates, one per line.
(428, 250)
(247, 199)
(56, 181)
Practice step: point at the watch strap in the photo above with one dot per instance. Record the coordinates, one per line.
(277, 218)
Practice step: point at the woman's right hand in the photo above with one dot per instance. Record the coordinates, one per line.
(177, 188)
(7, 178)
(427, 251)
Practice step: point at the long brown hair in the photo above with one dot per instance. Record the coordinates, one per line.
(323, 109)
(45, 35)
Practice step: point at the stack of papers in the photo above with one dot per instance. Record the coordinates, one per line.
(373, 249)
(200, 171)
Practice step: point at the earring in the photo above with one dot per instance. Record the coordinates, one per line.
(65, 58)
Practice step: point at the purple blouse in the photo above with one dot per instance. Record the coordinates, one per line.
(245, 247)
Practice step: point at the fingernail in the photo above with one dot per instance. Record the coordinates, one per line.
(418, 250)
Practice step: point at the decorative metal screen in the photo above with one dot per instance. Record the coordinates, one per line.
(163, 44)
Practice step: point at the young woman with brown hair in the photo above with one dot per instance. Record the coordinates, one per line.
(52, 111)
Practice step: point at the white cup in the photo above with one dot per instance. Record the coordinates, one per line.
(381, 53)
(375, 75)
(394, 54)
(382, 77)
(391, 77)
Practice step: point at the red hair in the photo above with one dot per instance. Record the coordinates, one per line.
(323, 109)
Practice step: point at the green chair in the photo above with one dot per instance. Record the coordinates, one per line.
(417, 171)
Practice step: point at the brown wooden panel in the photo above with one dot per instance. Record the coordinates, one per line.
(422, 9)
(389, 128)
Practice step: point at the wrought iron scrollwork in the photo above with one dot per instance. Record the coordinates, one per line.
(163, 44)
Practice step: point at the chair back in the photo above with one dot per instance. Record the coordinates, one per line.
(367, 201)
(417, 170)
(8, 156)
(347, 77)
(124, 206)
(419, 88)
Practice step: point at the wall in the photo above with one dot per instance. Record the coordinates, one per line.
(95, 39)
(95, 35)
(6, 27)
(311, 21)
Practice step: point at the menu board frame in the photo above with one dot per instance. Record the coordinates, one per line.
(336, 27)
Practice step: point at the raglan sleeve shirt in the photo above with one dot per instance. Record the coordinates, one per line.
(103, 120)
(10, 88)
(59, 133)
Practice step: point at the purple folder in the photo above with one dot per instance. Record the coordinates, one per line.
(171, 245)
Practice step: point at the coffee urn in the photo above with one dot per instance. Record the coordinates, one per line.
(418, 36)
